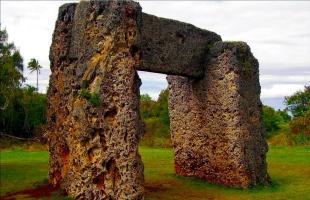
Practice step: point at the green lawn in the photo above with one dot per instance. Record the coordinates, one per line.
(289, 168)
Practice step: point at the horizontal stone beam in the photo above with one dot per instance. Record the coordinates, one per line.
(172, 47)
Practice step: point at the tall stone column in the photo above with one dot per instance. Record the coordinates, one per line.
(216, 122)
(93, 102)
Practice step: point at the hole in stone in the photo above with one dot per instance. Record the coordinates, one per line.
(110, 115)
(92, 152)
(112, 174)
(180, 37)
(53, 117)
(133, 50)
(99, 181)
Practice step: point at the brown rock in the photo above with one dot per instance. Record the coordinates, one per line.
(172, 47)
(216, 122)
(93, 101)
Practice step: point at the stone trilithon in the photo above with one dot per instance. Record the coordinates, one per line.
(94, 125)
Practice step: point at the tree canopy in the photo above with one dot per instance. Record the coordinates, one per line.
(299, 103)
(34, 66)
(22, 110)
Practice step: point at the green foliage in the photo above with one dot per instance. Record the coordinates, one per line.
(161, 107)
(21, 109)
(34, 109)
(300, 139)
(27, 113)
(156, 119)
(300, 129)
(145, 98)
(284, 115)
(156, 133)
(273, 120)
(93, 98)
(84, 93)
(146, 106)
(11, 76)
(9, 54)
(34, 65)
(299, 103)
(11, 62)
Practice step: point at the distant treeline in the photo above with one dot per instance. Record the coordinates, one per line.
(156, 120)
(293, 123)
(22, 109)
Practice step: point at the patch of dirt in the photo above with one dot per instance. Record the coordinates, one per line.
(37, 193)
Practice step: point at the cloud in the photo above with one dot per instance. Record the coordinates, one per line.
(284, 79)
(277, 32)
(152, 83)
(280, 90)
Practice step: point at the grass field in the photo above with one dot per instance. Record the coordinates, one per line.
(289, 168)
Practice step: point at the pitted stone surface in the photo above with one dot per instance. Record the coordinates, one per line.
(93, 101)
(216, 122)
(172, 47)
(94, 148)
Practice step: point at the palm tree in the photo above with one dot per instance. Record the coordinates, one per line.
(34, 65)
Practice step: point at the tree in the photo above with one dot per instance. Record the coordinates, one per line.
(34, 65)
(11, 78)
(298, 104)
(156, 120)
(21, 109)
(146, 106)
(272, 120)
(11, 69)
(33, 104)
(161, 108)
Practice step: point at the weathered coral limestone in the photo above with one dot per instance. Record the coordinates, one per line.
(93, 101)
(172, 47)
(216, 122)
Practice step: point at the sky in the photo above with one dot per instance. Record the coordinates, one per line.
(278, 33)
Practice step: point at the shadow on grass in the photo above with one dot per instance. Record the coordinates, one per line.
(40, 190)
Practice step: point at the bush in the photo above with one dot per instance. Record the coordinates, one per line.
(274, 120)
(299, 106)
(156, 120)
(27, 112)
(156, 133)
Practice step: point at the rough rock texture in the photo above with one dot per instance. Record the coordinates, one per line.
(216, 122)
(93, 102)
(172, 47)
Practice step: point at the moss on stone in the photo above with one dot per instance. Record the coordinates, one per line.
(92, 98)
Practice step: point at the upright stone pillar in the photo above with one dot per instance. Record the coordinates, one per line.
(93, 102)
(216, 122)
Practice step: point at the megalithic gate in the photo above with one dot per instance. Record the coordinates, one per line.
(94, 125)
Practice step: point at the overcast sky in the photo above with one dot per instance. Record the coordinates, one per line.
(277, 32)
